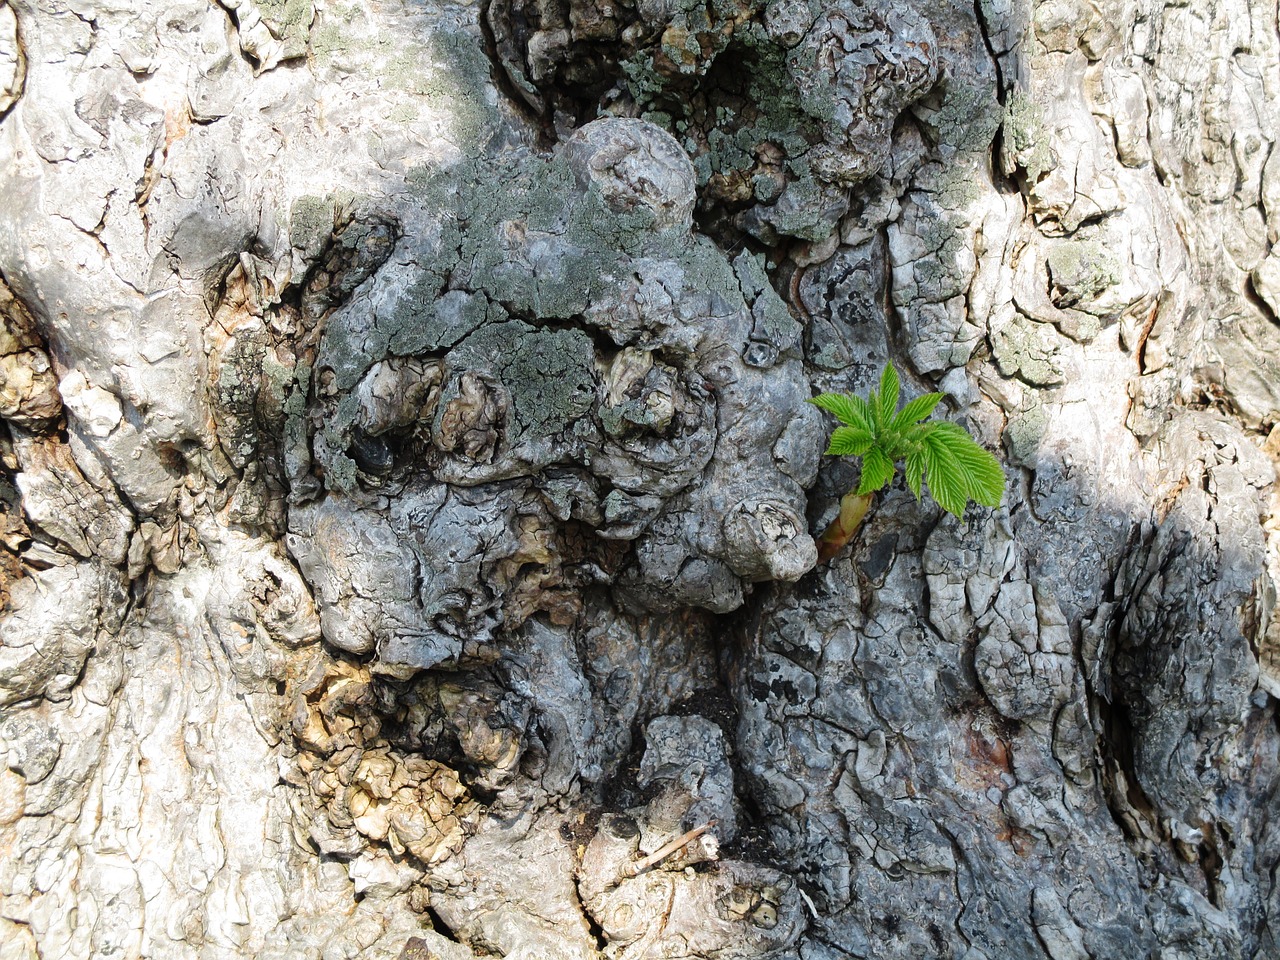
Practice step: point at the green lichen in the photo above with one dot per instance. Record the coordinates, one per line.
(1029, 351)
(310, 224)
(495, 214)
(336, 45)
(760, 104)
(1024, 433)
(706, 269)
(957, 189)
(549, 374)
(290, 22)
(1081, 270)
(967, 117)
(784, 115)
(295, 405)
(341, 474)
(255, 394)
(774, 322)
(937, 275)
(461, 84)
(522, 247)
(752, 279)
(801, 210)
(403, 113)
(444, 75)
(502, 212)
(283, 15)
(278, 381)
(1026, 136)
(440, 322)
(489, 246)
(593, 225)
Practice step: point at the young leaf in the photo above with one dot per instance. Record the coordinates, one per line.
(915, 410)
(939, 453)
(877, 470)
(864, 410)
(849, 442)
(915, 471)
(980, 473)
(888, 398)
(844, 407)
(959, 470)
(943, 473)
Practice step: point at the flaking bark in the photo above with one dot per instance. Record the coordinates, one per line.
(408, 498)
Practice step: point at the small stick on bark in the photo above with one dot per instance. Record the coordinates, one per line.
(664, 851)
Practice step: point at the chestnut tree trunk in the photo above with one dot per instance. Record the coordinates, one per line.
(408, 494)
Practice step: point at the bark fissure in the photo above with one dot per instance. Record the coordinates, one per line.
(409, 494)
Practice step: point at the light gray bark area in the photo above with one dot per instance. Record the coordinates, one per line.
(408, 499)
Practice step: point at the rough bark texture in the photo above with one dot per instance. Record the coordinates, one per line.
(407, 493)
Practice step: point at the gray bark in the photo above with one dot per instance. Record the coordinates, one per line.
(408, 499)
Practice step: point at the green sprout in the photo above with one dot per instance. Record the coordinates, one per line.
(938, 453)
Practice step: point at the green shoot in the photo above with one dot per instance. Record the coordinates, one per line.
(937, 453)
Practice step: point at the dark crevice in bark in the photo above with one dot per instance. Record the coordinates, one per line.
(15, 533)
(439, 926)
(984, 28)
(233, 18)
(1116, 745)
(506, 84)
(593, 926)
(1251, 296)
(832, 945)
(20, 55)
(895, 326)
(622, 791)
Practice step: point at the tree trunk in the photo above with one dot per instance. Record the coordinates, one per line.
(409, 498)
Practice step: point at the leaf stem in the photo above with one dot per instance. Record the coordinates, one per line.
(853, 507)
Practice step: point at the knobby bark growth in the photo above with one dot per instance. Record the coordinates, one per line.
(408, 498)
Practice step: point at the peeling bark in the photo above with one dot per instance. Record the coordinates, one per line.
(408, 500)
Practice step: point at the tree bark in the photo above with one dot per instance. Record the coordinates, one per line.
(409, 499)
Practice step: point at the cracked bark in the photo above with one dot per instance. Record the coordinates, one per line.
(407, 497)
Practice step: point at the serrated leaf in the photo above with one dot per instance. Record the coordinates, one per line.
(917, 409)
(915, 471)
(871, 403)
(938, 453)
(849, 442)
(888, 397)
(958, 470)
(981, 475)
(913, 436)
(865, 411)
(877, 470)
(944, 474)
(850, 411)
